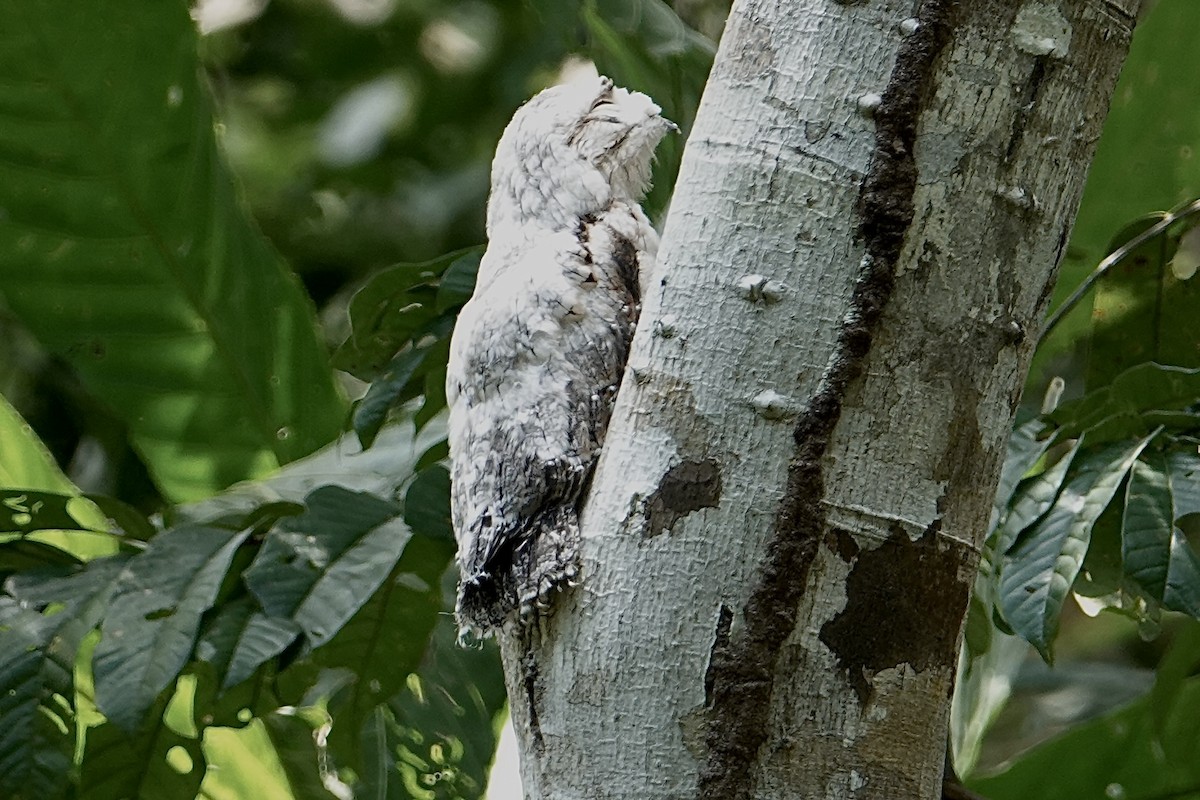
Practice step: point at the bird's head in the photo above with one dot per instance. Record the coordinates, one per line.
(572, 150)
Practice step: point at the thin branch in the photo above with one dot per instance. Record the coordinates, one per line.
(1116, 257)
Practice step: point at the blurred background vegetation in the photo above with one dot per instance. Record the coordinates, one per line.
(360, 134)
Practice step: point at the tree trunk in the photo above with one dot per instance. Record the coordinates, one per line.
(786, 520)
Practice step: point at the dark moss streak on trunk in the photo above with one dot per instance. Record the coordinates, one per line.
(742, 667)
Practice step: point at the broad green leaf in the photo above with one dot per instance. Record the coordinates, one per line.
(427, 505)
(19, 555)
(399, 305)
(319, 568)
(1033, 500)
(458, 281)
(299, 747)
(1144, 162)
(1147, 524)
(1142, 310)
(154, 617)
(1039, 570)
(154, 763)
(379, 471)
(43, 619)
(1170, 676)
(23, 511)
(1155, 554)
(1119, 755)
(241, 638)
(125, 250)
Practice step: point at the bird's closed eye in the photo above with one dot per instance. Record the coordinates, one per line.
(603, 100)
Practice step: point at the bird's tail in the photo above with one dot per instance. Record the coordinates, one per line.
(520, 577)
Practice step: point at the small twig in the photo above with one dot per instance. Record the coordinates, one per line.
(1116, 257)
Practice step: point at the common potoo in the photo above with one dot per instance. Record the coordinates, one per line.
(538, 351)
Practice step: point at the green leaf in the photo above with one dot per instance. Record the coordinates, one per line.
(1118, 755)
(125, 249)
(25, 463)
(154, 617)
(25, 511)
(155, 763)
(1142, 310)
(1026, 446)
(241, 638)
(243, 764)
(43, 620)
(318, 569)
(1144, 160)
(399, 305)
(1136, 395)
(441, 731)
(37, 733)
(295, 745)
(458, 281)
(1039, 570)
(1147, 524)
(1154, 552)
(1033, 500)
(427, 505)
(371, 411)
(384, 641)
(20, 555)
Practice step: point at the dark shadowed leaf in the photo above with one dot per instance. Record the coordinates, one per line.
(1125, 754)
(19, 555)
(1133, 399)
(440, 732)
(384, 642)
(319, 568)
(155, 763)
(1142, 310)
(296, 746)
(385, 392)
(43, 619)
(154, 617)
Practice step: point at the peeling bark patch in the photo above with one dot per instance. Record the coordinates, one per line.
(891, 619)
(741, 674)
(686, 487)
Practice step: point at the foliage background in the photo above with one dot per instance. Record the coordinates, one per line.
(211, 245)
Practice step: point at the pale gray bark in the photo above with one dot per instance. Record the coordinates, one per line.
(786, 519)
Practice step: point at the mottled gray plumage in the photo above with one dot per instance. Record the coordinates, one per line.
(540, 348)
